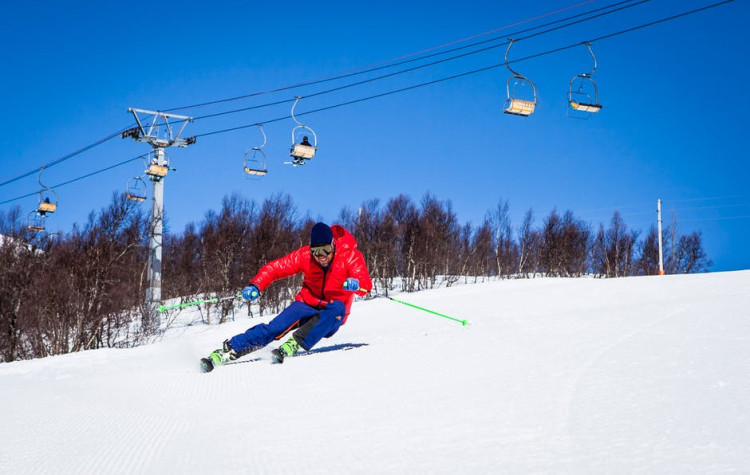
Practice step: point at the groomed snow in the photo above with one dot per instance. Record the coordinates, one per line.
(634, 375)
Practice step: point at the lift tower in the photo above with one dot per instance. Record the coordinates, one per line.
(160, 134)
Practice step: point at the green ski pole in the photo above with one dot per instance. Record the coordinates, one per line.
(198, 302)
(462, 322)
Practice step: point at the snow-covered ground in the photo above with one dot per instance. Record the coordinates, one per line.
(635, 375)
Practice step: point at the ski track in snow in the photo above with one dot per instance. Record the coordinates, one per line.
(640, 375)
(583, 371)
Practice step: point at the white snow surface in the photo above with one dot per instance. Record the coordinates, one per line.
(632, 375)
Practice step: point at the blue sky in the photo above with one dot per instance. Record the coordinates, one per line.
(673, 124)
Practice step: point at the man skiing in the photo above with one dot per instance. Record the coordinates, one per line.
(334, 271)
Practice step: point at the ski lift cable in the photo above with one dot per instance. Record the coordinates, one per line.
(586, 214)
(735, 205)
(707, 199)
(389, 63)
(475, 71)
(434, 63)
(719, 218)
(119, 132)
(73, 180)
(63, 158)
(448, 78)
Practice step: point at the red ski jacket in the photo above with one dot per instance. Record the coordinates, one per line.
(320, 285)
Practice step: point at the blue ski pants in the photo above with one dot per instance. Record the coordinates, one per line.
(312, 325)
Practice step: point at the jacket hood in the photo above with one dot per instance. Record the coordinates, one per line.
(342, 238)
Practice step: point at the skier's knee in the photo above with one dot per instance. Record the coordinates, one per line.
(336, 307)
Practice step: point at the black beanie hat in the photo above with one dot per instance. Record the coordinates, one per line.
(321, 234)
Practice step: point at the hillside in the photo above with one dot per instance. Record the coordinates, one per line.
(647, 374)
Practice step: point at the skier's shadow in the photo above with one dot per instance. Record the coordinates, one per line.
(325, 349)
(341, 346)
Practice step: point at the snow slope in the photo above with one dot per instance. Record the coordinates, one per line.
(635, 375)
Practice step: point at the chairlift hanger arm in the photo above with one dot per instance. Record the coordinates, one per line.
(588, 45)
(507, 64)
(296, 100)
(258, 147)
(45, 189)
(39, 178)
(265, 139)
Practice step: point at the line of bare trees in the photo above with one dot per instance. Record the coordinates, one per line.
(84, 289)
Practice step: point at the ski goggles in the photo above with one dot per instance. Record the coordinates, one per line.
(323, 250)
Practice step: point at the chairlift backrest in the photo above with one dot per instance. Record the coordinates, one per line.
(47, 206)
(157, 171)
(303, 151)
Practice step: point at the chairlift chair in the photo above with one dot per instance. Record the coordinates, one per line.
(255, 162)
(580, 98)
(47, 201)
(36, 222)
(301, 148)
(157, 171)
(136, 189)
(515, 105)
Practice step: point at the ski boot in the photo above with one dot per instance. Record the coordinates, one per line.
(288, 348)
(218, 357)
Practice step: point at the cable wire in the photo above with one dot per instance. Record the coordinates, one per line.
(445, 60)
(358, 71)
(384, 94)
(475, 71)
(139, 157)
(385, 63)
(63, 158)
(340, 76)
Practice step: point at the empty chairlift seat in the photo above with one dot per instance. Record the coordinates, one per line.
(520, 107)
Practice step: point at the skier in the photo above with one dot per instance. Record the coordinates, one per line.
(334, 271)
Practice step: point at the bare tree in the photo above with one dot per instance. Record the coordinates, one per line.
(506, 251)
(552, 246)
(576, 236)
(376, 235)
(275, 234)
(691, 257)
(483, 260)
(436, 242)
(647, 262)
(18, 262)
(614, 248)
(225, 240)
(406, 218)
(529, 243)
